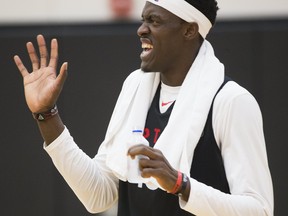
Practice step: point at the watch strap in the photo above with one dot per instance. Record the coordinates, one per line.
(46, 115)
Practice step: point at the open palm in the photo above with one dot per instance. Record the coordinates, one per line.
(42, 86)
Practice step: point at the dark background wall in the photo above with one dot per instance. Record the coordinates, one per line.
(100, 56)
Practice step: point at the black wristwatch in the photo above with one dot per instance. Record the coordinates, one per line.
(185, 180)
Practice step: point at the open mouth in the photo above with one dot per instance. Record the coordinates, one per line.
(147, 48)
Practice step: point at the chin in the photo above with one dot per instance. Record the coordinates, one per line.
(146, 68)
(146, 71)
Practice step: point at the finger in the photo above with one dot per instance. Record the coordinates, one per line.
(62, 75)
(152, 153)
(20, 66)
(43, 50)
(151, 172)
(156, 173)
(33, 56)
(154, 164)
(54, 54)
(147, 163)
(166, 178)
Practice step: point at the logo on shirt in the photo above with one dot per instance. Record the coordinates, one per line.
(166, 103)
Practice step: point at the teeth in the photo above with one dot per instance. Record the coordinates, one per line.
(147, 46)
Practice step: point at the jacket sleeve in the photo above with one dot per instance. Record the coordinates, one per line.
(238, 130)
(89, 178)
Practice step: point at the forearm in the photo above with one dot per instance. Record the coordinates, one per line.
(206, 200)
(90, 179)
(51, 128)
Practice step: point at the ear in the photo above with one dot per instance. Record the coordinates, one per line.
(191, 31)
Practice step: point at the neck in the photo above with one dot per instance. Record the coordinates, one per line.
(176, 75)
(174, 78)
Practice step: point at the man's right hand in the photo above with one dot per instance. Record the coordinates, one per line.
(42, 86)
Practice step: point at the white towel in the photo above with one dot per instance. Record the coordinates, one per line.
(187, 120)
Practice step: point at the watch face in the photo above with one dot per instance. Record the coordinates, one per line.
(185, 179)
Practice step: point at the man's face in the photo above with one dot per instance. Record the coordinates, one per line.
(161, 35)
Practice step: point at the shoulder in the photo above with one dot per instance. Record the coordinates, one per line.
(133, 75)
(231, 91)
(131, 80)
(235, 108)
(233, 94)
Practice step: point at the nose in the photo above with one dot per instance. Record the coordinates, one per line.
(143, 29)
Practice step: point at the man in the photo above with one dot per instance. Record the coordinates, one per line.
(207, 151)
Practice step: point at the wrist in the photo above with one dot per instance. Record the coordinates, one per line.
(181, 187)
(178, 184)
(42, 116)
(184, 185)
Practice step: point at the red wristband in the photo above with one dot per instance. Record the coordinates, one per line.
(178, 183)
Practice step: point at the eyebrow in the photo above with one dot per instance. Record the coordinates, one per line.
(152, 15)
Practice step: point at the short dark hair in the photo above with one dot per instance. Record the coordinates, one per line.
(208, 7)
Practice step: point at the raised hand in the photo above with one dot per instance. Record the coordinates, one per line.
(42, 86)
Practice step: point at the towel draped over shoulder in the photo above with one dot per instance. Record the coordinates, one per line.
(183, 131)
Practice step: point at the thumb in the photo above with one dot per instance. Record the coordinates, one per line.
(62, 75)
